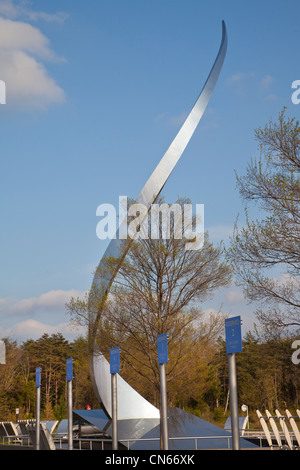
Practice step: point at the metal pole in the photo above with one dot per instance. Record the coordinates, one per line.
(234, 403)
(163, 407)
(38, 417)
(70, 415)
(114, 411)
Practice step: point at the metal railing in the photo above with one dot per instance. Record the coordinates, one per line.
(88, 443)
(103, 444)
(190, 438)
(15, 440)
(82, 443)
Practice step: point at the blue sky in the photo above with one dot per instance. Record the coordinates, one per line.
(95, 93)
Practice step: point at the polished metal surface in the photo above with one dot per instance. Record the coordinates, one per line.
(70, 414)
(234, 408)
(114, 411)
(164, 407)
(186, 431)
(130, 403)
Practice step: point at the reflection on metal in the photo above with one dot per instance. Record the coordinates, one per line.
(91, 422)
(163, 406)
(186, 431)
(234, 410)
(130, 403)
(243, 421)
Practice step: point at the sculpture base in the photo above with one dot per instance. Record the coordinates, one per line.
(186, 432)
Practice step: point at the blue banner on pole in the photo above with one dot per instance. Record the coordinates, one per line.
(37, 377)
(115, 360)
(69, 369)
(233, 333)
(162, 348)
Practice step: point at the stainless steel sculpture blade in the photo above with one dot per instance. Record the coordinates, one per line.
(130, 403)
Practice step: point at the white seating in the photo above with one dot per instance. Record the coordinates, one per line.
(294, 426)
(284, 428)
(285, 438)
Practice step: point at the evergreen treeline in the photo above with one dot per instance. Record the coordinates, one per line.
(17, 377)
(267, 378)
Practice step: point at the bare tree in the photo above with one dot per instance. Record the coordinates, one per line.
(266, 253)
(159, 289)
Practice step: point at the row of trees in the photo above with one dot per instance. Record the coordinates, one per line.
(17, 377)
(267, 378)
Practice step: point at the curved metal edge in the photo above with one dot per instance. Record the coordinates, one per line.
(147, 196)
(138, 406)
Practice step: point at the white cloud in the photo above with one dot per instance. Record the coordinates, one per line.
(237, 77)
(10, 9)
(3, 301)
(245, 83)
(33, 329)
(239, 82)
(37, 312)
(52, 301)
(17, 35)
(271, 97)
(235, 296)
(28, 83)
(267, 81)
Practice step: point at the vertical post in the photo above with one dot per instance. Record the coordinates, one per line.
(162, 353)
(114, 403)
(38, 407)
(234, 402)
(163, 401)
(114, 369)
(233, 334)
(70, 402)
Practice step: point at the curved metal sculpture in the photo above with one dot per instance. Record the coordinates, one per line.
(131, 404)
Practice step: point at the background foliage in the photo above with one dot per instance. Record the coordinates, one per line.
(267, 378)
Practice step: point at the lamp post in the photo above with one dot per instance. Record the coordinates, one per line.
(245, 408)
